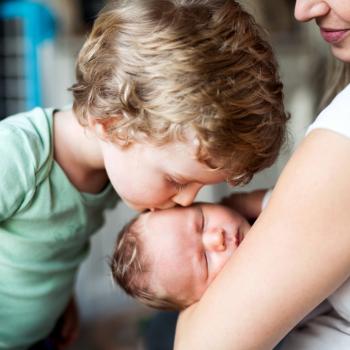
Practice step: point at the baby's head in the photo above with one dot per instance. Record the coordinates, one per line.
(159, 71)
(166, 259)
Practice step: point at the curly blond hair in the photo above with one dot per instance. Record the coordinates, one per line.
(153, 69)
(131, 269)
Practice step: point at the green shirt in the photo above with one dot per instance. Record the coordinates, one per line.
(45, 226)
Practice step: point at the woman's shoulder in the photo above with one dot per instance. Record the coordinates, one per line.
(336, 116)
(341, 101)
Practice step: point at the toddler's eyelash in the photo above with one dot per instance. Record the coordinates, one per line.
(179, 187)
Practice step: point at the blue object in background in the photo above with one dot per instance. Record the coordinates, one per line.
(24, 27)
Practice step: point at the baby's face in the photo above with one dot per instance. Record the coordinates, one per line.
(187, 247)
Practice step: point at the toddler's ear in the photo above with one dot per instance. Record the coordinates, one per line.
(106, 130)
(101, 127)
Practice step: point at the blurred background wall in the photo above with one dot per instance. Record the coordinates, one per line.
(302, 60)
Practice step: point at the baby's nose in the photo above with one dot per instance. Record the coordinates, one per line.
(214, 239)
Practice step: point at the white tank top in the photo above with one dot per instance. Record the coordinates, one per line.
(336, 116)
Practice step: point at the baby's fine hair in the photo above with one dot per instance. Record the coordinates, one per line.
(132, 268)
(153, 70)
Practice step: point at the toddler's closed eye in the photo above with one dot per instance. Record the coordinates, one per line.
(178, 186)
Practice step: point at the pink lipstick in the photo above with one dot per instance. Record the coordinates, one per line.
(333, 36)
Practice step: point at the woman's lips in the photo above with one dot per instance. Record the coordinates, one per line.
(333, 35)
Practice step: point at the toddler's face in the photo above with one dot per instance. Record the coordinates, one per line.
(187, 247)
(154, 177)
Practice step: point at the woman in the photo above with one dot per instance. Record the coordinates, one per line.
(299, 252)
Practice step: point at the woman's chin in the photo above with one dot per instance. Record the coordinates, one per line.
(342, 53)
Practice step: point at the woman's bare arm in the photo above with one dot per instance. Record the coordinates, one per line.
(297, 253)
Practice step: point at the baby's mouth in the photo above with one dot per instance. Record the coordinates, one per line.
(239, 238)
(233, 238)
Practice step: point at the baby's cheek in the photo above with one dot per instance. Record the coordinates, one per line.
(218, 262)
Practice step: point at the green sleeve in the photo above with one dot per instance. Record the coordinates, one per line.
(17, 175)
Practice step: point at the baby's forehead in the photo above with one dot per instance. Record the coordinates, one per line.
(140, 223)
(166, 214)
(157, 223)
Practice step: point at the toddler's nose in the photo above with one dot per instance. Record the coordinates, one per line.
(214, 239)
(186, 196)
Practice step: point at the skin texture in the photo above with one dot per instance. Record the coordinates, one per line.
(298, 252)
(188, 247)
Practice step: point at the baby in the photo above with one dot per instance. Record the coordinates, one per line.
(166, 259)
